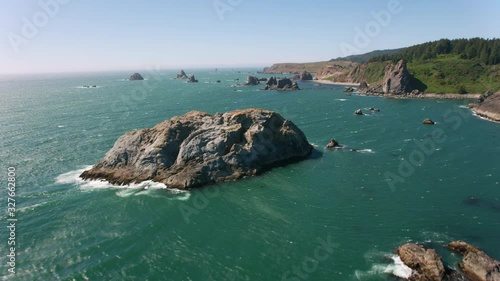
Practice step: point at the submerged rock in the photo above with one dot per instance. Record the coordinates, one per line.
(197, 148)
(136, 76)
(476, 265)
(425, 263)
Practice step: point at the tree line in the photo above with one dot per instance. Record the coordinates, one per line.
(485, 50)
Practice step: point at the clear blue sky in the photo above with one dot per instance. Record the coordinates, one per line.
(125, 34)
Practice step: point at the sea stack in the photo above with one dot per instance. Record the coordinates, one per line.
(136, 76)
(197, 149)
(191, 79)
(182, 75)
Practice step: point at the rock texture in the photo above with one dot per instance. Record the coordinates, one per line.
(306, 76)
(488, 106)
(136, 76)
(252, 81)
(182, 75)
(198, 149)
(427, 265)
(333, 144)
(428, 121)
(191, 79)
(282, 84)
(476, 265)
(397, 79)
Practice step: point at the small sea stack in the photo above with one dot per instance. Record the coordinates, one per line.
(192, 79)
(358, 112)
(135, 76)
(182, 75)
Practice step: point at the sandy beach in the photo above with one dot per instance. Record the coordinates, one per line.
(328, 82)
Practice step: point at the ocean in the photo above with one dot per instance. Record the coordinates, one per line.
(338, 215)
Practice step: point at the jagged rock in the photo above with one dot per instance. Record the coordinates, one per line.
(182, 75)
(358, 112)
(305, 76)
(349, 90)
(136, 76)
(283, 84)
(333, 144)
(428, 121)
(476, 264)
(425, 263)
(488, 106)
(397, 79)
(191, 79)
(252, 81)
(198, 149)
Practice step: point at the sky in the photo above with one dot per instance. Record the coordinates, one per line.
(46, 36)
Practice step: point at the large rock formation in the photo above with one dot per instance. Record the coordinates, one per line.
(476, 265)
(182, 75)
(198, 149)
(136, 76)
(397, 79)
(305, 76)
(425, 263)
(488, 106)
(282, 84)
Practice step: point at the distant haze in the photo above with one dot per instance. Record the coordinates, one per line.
(71, 35)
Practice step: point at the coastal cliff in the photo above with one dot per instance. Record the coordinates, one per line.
(197, 148)
(488, 106)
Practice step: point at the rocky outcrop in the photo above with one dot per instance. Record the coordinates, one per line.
(191, 79)
(197, 148)
(363, 85)
(358, 112)
(397, 82)
(488, 106)
(182, 75)
(252, 81)
(136, 76)
(425, 263)
(283, 84)
(428, 121)
(476, 264)
(333, 144)
(397, 79)
(305, 76)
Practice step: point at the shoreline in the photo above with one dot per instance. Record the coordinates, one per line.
(328, 82)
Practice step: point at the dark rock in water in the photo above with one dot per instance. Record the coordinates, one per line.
(349, 90)
(283, 84)
(333, 144)
(198, 148)
(94, 86)
(373, 109)
(135, 76)
(472, 201)
(425, 263)
(237, 79)
(428, 121)
(252, 81)
(476, 264)
(191, 79)
(218, 81)
(182, 75)
(358, 112)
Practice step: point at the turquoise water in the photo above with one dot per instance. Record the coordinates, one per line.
(261, 228)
